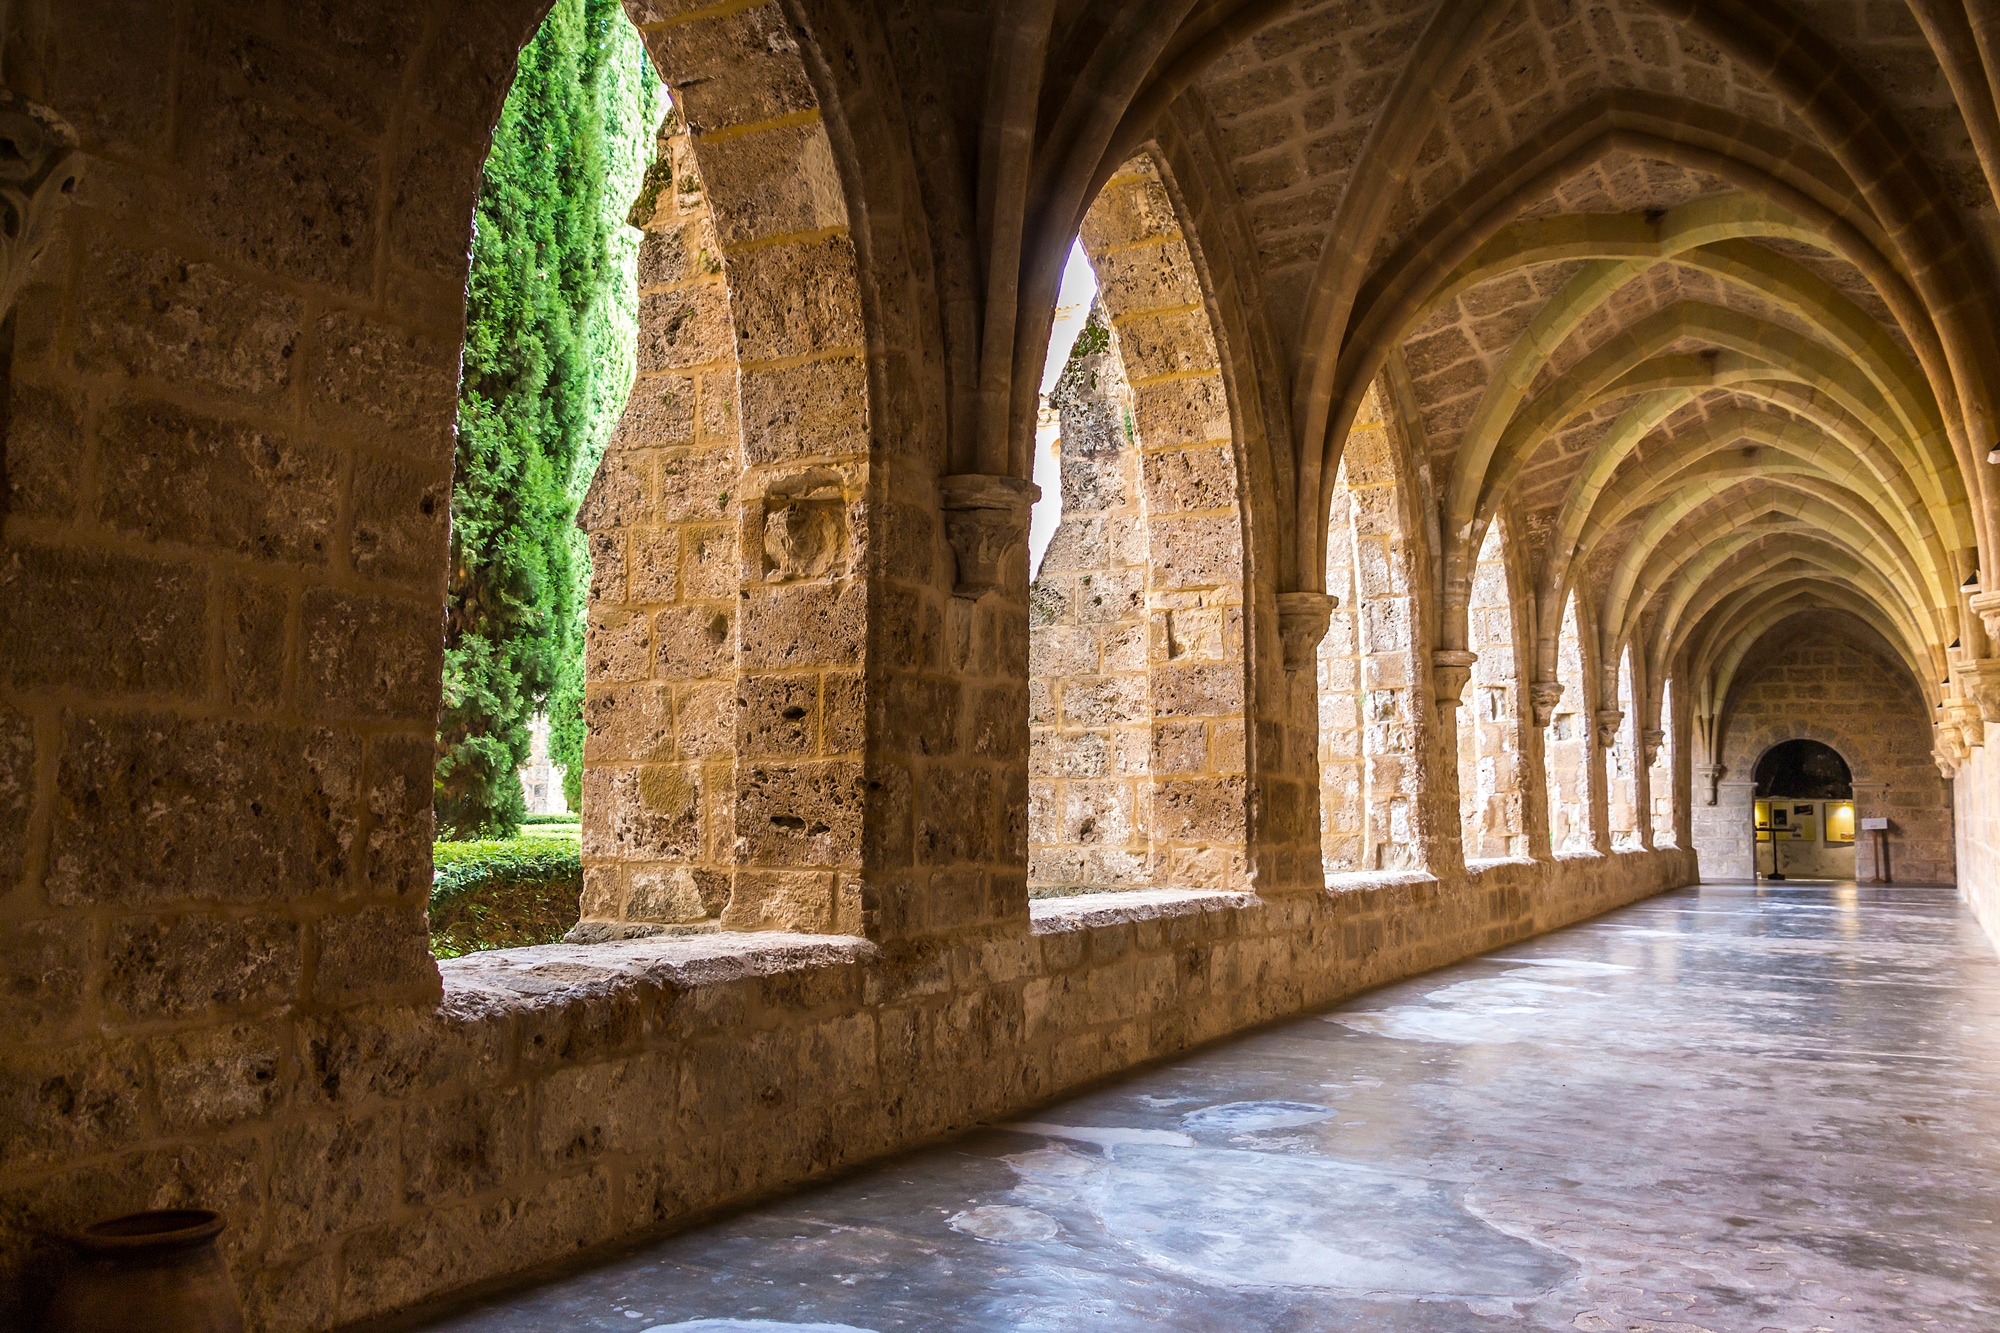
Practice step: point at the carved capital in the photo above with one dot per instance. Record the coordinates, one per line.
(1979, 681)
(1607, 726)
(1709, 775)
(1986, 605)
(986, 522)
(1451, 668)
(1949, 749)
(1650, 741)
(1302, 621)
(1543, 696)
(1964, 715)
(39, 168)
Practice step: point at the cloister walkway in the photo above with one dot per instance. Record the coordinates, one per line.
(1726, 1108)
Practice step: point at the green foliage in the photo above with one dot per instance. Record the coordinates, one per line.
(503, 893)
(548, 307)
(1094, 339)
(570, 820)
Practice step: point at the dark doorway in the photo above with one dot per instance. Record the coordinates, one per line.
(1806, 770)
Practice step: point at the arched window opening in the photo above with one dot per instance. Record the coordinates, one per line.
(1491, 809)
(1566, 744)
(1622, 765)
(1366, 737)
(1660, 778)
(1073, 307)
(550, 352)
(1089, 690)
(1137, 751)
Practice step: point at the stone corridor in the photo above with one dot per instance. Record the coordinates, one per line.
(1726, 1109)
(1504, 427)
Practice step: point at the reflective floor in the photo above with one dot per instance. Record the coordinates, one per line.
(1722, 1109)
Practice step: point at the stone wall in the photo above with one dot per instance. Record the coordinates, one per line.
(1660, 784)
(1624, 801)
(1566, 744)
(1192, 498)
(1976, 829)
(660, 688)
(1823, 685)
(1492, 796)
(1090, 697)
(567, 1097)
(1367, 743)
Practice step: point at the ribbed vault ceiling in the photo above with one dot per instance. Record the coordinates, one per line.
(1699, 307)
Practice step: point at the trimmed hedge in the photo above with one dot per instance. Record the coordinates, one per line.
(552, 819)
(503, 893)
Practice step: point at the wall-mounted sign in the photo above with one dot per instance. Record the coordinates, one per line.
(1870, 825)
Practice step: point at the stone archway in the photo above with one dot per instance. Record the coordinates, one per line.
(1809, 680)
(1138, 748)
(724, 696)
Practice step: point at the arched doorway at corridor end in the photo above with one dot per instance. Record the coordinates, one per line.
(1804, 812)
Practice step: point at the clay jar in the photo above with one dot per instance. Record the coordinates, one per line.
(156, 1272)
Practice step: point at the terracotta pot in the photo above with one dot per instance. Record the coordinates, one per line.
(153, 1272)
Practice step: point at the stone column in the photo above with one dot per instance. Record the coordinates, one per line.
(1734, 838)
(1871, 860)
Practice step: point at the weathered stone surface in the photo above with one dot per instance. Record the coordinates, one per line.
(349, 1177)
(369, 656)
(692, 642)
(210, 1077)
(401, 519)
(792, 413)
(17, 791)
(795, 300)
(180, 966)
(136, 797)
(175, 476)
(61, 1107)
(465, 1143)
(683, 328)
(44, 451)
(320, 225)
(375, 377)
(113, 623)
(370, 952)
(253, 643)
(201, 326)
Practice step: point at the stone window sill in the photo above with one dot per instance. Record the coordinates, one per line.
(1365, 881)
(1118, 907)
(684, 960)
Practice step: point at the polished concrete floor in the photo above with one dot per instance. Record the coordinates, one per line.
(1722, 1109)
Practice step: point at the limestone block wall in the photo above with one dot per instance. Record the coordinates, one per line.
(660, 685)
(1660, 777)
(1367, 745)
(1976, 831)
(1090, 699)
(567, 1097)
(1139, 653)
(1491, 793)
(1192, 495)
(1566, 743)
(1625, 799)
(1821, 687)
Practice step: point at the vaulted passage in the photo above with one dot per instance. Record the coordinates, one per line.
(1118, 523)
(1713, 1110)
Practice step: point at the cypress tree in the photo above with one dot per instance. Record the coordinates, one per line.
(540, 363)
